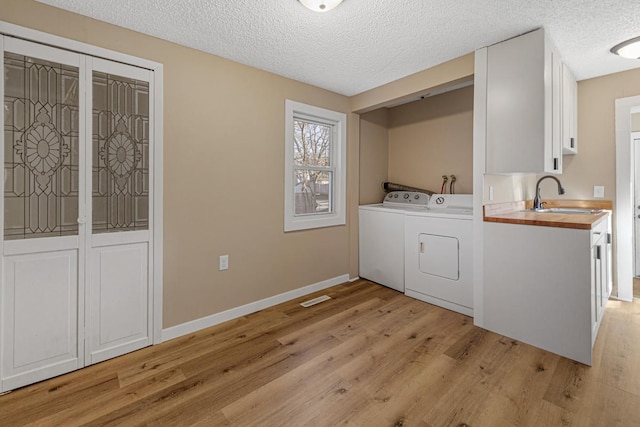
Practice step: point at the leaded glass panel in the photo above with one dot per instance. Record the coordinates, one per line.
(41, 159)
(120, 165)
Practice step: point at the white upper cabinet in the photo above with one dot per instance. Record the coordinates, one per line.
(569, 112)
(524, 106)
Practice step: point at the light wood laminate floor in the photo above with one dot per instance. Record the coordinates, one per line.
(368, 357)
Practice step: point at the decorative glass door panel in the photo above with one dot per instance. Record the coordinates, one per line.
(41, 157)
(120, 153)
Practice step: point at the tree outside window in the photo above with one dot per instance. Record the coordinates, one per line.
(313, 167)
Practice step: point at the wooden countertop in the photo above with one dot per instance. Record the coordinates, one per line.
(515, 213)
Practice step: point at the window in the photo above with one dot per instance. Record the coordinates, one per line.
(315, 167)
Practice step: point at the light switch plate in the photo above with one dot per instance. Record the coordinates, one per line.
(598, 191)
(223, 263)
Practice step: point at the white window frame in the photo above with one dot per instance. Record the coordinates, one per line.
(296, 110)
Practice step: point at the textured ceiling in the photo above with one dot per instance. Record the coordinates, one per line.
(363, 44)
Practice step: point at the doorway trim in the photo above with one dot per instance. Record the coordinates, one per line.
(635, 136)
(623, 207)
(35, 36)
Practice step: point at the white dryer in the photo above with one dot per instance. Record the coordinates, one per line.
(439, 253)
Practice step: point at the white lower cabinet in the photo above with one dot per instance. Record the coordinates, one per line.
(547, 286)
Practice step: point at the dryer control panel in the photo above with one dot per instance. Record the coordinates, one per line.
(459, 201)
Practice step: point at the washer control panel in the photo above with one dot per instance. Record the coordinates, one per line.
(406, 198)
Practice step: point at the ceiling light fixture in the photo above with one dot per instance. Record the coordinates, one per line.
(629, 49)
(321, 5)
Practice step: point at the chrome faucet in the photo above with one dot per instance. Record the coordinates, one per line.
(537, 203)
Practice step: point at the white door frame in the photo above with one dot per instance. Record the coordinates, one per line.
(157, 153)
(624, 197)
(635, 176)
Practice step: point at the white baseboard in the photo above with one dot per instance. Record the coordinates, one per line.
(243, 310)
(354, 279)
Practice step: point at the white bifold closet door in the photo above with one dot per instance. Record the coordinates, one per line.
(76, 251)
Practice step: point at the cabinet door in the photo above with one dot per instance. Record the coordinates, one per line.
(569, 112)
(595, 285)
(598, 282)
(515, 105)
(603, 294)
(554, 158)
(601, 279)
(523, 131)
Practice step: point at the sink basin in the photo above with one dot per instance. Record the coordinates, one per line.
(567, 211)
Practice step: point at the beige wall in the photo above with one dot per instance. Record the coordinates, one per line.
(223, 172)
(374, 155)
(416, 143)
(433, 137)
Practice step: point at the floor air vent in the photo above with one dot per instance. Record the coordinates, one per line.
(315, 301)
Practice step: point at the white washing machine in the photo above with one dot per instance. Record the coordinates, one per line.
(439, 253)
(381, 241)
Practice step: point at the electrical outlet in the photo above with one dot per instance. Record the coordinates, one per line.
(223, 263)
(598, 191)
